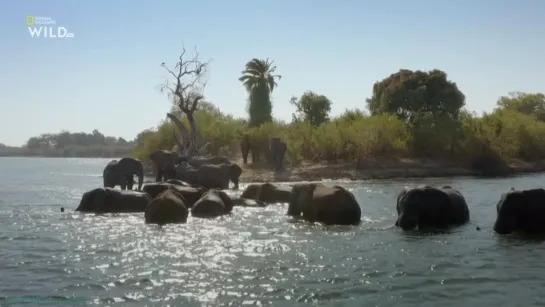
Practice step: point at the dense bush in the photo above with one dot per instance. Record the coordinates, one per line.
(413, 114)
(505, 133)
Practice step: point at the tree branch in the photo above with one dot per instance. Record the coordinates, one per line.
(186, 92)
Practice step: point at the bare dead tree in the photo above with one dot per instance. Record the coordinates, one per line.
(186, 88)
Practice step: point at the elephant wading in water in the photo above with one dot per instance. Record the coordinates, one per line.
(198, 161)
(429, 207)
(108, 200)
(212, 204)
(268, 193)
(521, 211)
(210, 176)
(328, 205)
(163, 164)
(277, 149)
(121, 173)
(167, 208)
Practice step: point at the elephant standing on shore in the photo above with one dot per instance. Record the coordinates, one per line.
(328, 205)
(108, 200)
(164, 162)
(426, 206)
(521, 210)
(121, 173)
(277, 150)
(246, 146)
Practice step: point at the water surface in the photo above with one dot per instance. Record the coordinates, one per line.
(256, 256)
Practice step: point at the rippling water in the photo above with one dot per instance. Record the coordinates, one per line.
(256, 256)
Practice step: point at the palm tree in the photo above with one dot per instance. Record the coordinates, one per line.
(259, 80)
(259, 74)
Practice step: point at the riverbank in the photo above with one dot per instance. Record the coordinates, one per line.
(375, 169)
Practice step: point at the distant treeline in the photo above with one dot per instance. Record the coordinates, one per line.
(66, 144)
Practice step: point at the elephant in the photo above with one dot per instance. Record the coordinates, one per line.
(121, 173)
(216, 160)
(109, 200)
(212, 204)
(210, 176)
(246, 202)
(167, 208)
(246, 146)
(178, 182)
(327, 205)
(521, 210)
(268, 192)
(190, 194)
(277, 150)
(186, 173)
(164, 161)
(426, 206)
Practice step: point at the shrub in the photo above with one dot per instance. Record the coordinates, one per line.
(490, 139)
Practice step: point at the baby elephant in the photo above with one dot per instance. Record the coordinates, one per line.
(429, 207)
(521, 210)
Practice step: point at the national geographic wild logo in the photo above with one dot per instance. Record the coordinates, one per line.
(46, 27)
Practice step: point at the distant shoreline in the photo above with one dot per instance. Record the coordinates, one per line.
(372, 169)
(379, 169)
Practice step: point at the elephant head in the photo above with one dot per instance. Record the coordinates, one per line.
(423, 201)
(509, 211)
(301, 194)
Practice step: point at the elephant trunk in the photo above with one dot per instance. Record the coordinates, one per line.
(505, 225)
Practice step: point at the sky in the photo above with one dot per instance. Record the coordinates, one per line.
(108, 76)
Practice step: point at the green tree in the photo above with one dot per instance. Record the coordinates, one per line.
(312, 107)
(408, 93)
(532, 104)
(259, 80)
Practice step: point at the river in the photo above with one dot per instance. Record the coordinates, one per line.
(256, 256)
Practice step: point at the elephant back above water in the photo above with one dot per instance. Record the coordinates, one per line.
(267, 192)
(108, 200)
(521, 210)
(429, 207)
(190, 194)
(328, 205)
(212, 204)
(167, 208)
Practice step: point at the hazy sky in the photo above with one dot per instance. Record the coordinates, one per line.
(107, 77)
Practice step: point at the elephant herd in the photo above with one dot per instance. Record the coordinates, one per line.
(195, 185)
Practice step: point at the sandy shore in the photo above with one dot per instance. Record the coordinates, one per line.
(374, 169)
(369, 169)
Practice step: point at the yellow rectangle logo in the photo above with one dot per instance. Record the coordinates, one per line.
(30, 20)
